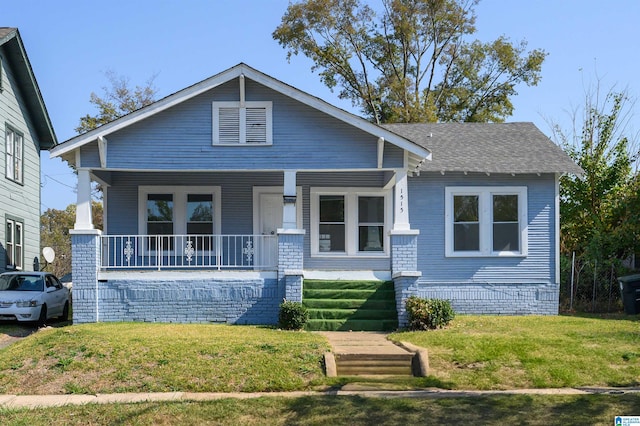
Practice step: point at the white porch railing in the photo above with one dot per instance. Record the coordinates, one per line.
(189, 251)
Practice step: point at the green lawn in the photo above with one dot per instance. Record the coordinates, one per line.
(489, 352)
(325, 410)
(127, 357)
(474, 352)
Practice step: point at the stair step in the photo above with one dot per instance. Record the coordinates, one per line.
(372, 357)
(348, 285)
(349, 304)
(351, 325)
(346, 314)
(348, 294)
(374, 370)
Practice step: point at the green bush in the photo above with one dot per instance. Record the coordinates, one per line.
(428, 314)
(292, 316)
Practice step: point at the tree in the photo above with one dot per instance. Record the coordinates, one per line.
(411, 61)
(54, 233)
(599, 210)
(118, 100)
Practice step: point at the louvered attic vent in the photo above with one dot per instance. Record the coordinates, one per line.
(236, 125)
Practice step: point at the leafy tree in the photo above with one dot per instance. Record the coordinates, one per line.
(119, 99)
(600, 209)
(54, 233)
(410, 61)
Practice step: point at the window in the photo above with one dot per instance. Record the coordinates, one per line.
(15, 239)
(14, 146)
(349, 221)
(200, 219)
(179, 210)
(370, 223)
(332, 225)
(234, 124)
(486, 221)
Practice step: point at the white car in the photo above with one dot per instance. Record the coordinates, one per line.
(32, 296)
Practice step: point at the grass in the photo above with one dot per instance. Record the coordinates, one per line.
(474, 352)
(125, 357)
(489, 352)
(322, 410)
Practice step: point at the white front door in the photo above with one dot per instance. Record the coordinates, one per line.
(270, 213)
(269, 216)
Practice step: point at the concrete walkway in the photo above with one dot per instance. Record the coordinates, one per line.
(361, 342)
(43, 401)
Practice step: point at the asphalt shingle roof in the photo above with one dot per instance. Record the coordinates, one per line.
(487, 148)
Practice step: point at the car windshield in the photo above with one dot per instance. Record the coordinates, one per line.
(21, 283)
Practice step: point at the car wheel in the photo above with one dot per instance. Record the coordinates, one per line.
(65, 312)
(42, 321)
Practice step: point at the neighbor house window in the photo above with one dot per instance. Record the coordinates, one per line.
(351, 222)
(14, 160)
(14, 245)
(486, 221)
(236, 124)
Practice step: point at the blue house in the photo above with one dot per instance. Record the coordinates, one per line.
(224, 198)
(25, 130)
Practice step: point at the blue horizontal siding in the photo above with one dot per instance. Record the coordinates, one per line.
(426, 207)
(181, 138)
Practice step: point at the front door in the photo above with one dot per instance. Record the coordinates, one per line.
(270, 213)
(269, 220)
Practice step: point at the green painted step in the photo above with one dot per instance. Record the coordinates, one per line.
(349, 285)
(347, 294)
(350, 305)
(389, 304)
(351, 314)
(351, 325)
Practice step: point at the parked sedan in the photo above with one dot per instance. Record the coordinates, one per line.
(32, 296)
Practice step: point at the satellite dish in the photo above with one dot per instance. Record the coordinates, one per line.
(48, 254)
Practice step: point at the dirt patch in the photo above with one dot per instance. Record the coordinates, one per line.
(12, 333)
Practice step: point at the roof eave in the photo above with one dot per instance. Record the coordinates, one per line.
(23, 71)
(259, 77)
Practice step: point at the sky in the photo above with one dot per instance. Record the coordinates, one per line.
(72, 43)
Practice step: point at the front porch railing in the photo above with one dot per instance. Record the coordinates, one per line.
(189, 251)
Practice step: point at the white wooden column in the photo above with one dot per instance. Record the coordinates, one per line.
(401, 202)
(289, 201)
(83, 205)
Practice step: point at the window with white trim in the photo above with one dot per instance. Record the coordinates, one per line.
(14, 161)
(350, 221)
(249, 123)
(15, 244)
(178, 210)
(486, 221)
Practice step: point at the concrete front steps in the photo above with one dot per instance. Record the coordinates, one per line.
(373, 364)
(372, 354)
(350, 305)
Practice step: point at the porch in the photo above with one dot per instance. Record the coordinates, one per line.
(193, 252)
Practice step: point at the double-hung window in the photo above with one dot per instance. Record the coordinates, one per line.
(349, 222)
(486, 221)
(14, 149)
(248, 123)
(15, 244)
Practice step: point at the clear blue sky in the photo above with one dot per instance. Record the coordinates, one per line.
(71, 43)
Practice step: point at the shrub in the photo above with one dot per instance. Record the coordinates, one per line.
(292, 316)
(428, 314)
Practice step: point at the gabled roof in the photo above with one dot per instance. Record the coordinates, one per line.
(487, 148)
(417, 153)
(15, 56)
